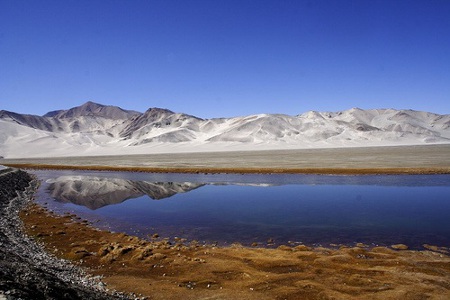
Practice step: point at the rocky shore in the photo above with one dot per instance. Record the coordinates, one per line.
(27, 271)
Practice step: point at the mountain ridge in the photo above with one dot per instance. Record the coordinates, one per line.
(97, 129)
(97, 110)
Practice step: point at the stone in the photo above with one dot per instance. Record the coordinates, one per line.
(399, 247)
(158, 256)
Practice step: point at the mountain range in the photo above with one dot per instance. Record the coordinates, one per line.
(96, 129)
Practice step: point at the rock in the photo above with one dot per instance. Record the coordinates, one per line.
(158, 256)
(143, 253)
(399, 247)
(78, 253)
(103, 251)
(125, 250)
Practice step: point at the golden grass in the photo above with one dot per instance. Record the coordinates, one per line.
(159, 269)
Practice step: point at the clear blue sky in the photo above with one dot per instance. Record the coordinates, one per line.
(223, 57)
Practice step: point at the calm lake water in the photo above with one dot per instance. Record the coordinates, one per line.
(309, 209)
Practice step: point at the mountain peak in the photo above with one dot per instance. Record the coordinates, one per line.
(93, 109)
(159, 110)
(91, 104)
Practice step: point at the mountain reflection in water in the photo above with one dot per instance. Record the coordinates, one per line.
(224, 208)
(96, 192)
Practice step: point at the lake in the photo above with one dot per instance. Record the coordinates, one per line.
(265, 209)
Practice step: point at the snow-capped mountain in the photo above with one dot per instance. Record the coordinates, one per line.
(95, 129)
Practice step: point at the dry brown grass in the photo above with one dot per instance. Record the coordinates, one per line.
(249, 170)
(160, 270)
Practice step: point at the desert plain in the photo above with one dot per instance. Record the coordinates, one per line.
(420, 159)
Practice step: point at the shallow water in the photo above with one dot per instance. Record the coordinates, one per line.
(224, 208)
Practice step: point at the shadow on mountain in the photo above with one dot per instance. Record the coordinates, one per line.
(96, 192)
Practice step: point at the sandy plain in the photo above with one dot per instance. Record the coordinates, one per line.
(420, 159)
(158, 269)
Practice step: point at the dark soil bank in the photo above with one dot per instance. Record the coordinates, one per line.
(26, 270)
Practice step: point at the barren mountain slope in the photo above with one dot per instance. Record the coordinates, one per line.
(95, 129)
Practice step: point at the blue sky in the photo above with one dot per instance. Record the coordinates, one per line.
(225, 58)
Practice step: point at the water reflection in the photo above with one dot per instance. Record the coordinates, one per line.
(255, 208)
(96, 192)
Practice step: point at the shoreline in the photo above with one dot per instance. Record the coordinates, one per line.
(159, 269)
(315, 171)
(27, 270)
